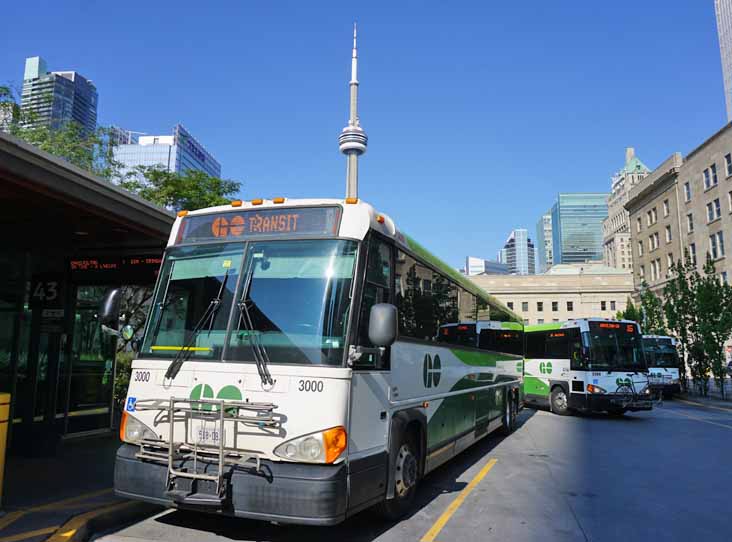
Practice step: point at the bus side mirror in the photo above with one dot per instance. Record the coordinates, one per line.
(383, 324)
(109, 309)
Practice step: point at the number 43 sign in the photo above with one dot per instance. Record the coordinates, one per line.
(46, 291)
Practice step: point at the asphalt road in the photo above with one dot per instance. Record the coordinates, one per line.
(661, 475)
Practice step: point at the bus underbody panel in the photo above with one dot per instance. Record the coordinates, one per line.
(283, 492)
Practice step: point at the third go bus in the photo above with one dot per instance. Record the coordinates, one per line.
(586, 365)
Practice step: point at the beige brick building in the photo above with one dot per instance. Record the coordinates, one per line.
(615, 229)
(684, 205)
(566, 291)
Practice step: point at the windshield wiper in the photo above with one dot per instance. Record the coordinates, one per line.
(261, 359)
(210, 313)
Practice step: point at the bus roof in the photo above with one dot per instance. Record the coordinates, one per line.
(357, 219)
(571, 323)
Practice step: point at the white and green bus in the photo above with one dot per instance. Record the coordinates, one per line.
(589, 365)
(292, 367)
(663, 363)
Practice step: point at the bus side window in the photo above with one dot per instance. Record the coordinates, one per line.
(377, 286)
(576, 354)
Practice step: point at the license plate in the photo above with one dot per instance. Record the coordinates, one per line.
(206, 433)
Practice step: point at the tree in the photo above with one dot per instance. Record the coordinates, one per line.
(679, 310)
(630, 312)
(714, 316)
(192, 189)
(651, 312)
(92, 151)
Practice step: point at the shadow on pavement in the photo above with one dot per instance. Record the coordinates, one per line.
(365, 526)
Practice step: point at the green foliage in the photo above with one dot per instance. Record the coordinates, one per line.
(651, 312)
(190, 190)
(90, 151)
(630, 312)
(698, 309)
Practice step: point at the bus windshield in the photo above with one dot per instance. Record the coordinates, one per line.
(294, 302)
(615, 346)
(297, 296)
(660, 353)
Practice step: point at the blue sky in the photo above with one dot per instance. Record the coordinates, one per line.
(478, 113)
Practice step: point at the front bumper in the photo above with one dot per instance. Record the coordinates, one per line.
(283, 492)
(610, 402)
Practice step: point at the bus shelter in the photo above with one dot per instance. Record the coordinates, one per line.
(67, 236)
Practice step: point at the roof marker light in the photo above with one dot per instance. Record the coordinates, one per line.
(257, 201)
(351, 201)
(278, 200)
(182, 213)
(236, 203)
(380, 219)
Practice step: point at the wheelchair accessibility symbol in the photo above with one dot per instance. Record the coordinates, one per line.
(131, 404)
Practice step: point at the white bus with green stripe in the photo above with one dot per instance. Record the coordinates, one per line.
(297, 365)
(586, 365)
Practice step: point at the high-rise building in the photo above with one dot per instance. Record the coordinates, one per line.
(479, 266)
(616, 247)
(54, 98)
(723, 9)
(577, 227)
(544, 259)
(518, 253)
(177, 153)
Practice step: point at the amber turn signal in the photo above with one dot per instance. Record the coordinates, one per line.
(334, 442)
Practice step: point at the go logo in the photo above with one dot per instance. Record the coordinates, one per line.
(431, 371)
(204, 391)
(623, 382)
(545, 368)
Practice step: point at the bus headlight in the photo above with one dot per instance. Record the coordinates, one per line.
(133, 430)
(321, 447)
(592, 388)
(645, 391)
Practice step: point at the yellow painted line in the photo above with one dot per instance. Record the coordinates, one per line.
(28, 534)
(9, 518)
(191, 348)
(65, 502)
(71, 527)
(727, 410)
(694, 418)
(454, 505)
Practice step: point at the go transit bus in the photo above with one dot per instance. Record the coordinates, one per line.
(292, 369)
(586, 365)
(663, 363)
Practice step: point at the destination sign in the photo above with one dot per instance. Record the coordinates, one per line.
(285, 222)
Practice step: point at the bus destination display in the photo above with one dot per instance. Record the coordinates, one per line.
(260, 223)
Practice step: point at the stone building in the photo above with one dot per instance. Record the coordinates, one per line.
(684, 205)
(615, 230)
(564, 292)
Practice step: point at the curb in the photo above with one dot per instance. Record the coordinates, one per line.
(82, 527)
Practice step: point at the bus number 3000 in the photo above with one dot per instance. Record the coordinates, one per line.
(311, 385)
(142, 376)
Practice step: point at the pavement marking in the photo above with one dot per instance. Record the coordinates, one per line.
(454, 505)
(71, 500)
(691, 418)
(723, 409)
(28, 534)
(9, 518)
(71, 527)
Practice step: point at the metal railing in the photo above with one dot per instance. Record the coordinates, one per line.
(220, 414)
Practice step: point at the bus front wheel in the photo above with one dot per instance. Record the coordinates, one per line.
(559, 401)
(406, 475)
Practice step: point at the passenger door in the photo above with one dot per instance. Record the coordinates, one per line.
(369, 423)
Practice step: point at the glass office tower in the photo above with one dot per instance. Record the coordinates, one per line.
(577, 227)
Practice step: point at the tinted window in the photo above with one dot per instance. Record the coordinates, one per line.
(506, 341)
(377, 287)
(462, 334)
(555, 344)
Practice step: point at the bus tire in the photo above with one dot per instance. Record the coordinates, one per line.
(616, 413)
(508, 421)
(406, 477)
(559, 401)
